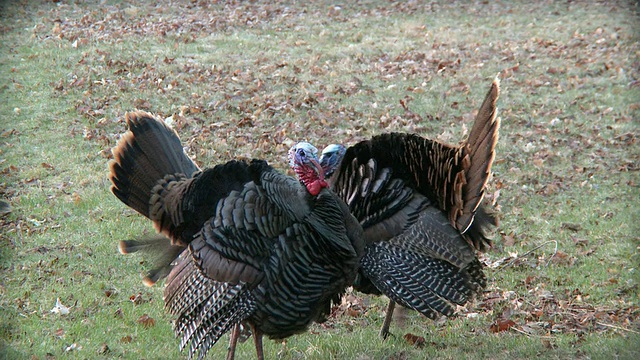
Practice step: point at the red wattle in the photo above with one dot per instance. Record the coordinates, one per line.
(315, 187)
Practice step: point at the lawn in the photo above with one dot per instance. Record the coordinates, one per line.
(249, 80)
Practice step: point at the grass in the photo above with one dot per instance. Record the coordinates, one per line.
(251, 79)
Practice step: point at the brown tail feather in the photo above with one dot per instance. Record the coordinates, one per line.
(479, 151)
(144, 155)
(480, 232)
(160, 249)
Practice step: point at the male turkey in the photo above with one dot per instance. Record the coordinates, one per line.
(419, 203)
(240, 242)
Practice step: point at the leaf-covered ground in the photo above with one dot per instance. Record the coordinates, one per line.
(241, 79)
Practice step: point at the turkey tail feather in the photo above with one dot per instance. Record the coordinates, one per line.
(160, 249)
(144, 155)
(479, 149)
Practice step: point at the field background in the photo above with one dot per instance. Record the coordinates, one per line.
(245, 79)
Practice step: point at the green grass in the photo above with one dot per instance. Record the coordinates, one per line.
(250, 80)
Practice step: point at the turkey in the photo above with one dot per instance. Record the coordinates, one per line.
(419, 203)
(239, 243)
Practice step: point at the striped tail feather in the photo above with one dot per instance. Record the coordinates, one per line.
(205, 309)
(430, 286)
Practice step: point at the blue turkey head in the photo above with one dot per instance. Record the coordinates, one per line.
(303, 159)
(331, 158)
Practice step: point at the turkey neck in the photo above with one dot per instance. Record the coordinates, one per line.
(313, 181)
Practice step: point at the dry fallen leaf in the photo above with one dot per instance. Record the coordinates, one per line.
(415, 340)
(537, 313)
(547, 343)
(76, 198)
(126, 339)
(508, 240)
(572, 226)
(136, 299)
(104, 349)
(501, 325)
(146, 321)
(561, 258)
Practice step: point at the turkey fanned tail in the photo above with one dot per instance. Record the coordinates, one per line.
(145, 154)
(151, 173)
(479, 153)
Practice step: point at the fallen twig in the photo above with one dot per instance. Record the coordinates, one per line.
(617, 327)
(532, 250)
(531, 335)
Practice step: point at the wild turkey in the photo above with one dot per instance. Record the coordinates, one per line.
(419, 203)
(262, 248)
